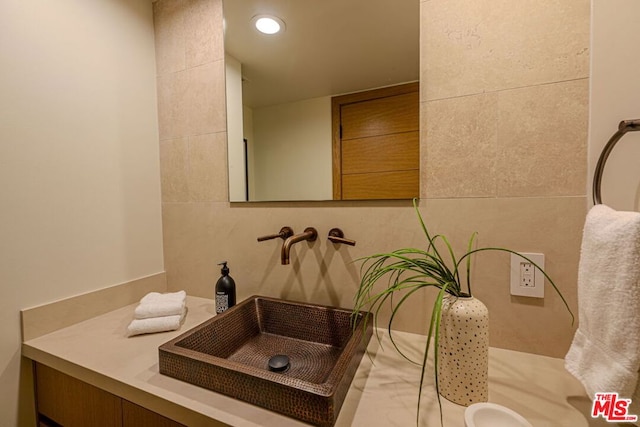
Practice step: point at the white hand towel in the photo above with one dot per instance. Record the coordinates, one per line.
(155, 304)
(155, 324)
(605, 352)
(170, 296)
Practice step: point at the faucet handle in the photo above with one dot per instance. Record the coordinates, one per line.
(337, 236)
(284, 233)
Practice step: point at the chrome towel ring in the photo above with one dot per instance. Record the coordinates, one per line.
(624, 127)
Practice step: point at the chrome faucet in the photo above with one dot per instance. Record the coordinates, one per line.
(309, 234)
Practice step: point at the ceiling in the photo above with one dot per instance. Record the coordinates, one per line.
(329, 47)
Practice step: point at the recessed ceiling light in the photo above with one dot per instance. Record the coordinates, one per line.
(268, 24)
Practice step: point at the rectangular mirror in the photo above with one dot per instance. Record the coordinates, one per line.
(281, 130)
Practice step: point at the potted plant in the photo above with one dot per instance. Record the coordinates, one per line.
(407, 271)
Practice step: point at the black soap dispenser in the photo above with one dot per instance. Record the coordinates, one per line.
(225, 290)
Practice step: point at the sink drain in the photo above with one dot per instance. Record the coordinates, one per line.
(279, 363)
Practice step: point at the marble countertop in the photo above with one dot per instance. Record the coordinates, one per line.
(383, 392)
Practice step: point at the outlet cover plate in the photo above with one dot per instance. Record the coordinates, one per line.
(519, 268)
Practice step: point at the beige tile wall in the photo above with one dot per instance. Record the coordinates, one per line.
(503, 149)
(191, 100)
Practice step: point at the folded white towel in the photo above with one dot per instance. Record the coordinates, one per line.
(155, 304)
(170, 296)
(605, 352)
(155, 324)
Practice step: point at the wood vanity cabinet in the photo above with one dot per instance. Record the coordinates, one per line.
(62, 400)
(137, 416)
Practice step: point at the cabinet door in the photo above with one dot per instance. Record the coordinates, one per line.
(137, 416)
(73, 403)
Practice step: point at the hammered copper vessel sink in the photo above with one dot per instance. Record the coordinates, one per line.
(293, 358)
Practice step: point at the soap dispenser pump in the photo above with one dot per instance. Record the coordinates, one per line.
(225, 290)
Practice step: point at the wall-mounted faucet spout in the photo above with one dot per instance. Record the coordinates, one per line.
(309, 234)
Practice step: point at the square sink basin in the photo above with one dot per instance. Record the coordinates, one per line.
(294, 358)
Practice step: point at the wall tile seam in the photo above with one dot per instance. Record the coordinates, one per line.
(505, 196)
(550, 196)
(195, 201)
(182, 70)
(498, 91)
(160, 73)
(336, 204)
(572, 196)
(188, 136)
(218, 204)
(191, 135)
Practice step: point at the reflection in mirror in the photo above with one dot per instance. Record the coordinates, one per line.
(280, 86)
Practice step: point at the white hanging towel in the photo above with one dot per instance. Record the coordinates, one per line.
(605, 352)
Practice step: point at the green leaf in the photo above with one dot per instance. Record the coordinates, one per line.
(555, 287)
(434, 331)
(409, 270)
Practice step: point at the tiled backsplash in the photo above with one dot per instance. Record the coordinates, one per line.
(503, 152)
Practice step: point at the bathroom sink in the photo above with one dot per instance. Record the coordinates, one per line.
(293, 358)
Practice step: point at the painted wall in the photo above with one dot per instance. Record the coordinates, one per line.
(247, 127)
(292, 151)
(499, 84)
(78, 161)
(235, 130)
(615, 94)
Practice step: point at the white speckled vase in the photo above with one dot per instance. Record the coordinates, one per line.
(463, 350)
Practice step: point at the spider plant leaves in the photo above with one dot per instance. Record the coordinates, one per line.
(434, 332)
(469, 249)
(551, 282)
(408, 270)
(396, 263)
(395, 311)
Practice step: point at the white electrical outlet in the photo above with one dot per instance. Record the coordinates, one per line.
(527, 274)
(526, 279)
